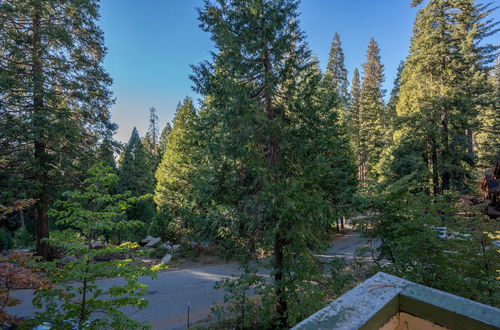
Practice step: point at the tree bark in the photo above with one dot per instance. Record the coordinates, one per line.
(21, 218)
(435, 174)
(445, 179)
(40, 152)
(279, 242)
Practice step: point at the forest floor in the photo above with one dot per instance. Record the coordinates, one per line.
(193, 283)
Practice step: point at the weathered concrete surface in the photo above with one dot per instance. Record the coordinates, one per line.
(375, 301)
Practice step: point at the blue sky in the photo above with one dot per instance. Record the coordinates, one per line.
(152, 43)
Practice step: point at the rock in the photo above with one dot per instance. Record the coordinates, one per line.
(6, 253)
(175, 247)
(67, 259)
(166, 259)
(147, 239)
(111, 256)
(166, 246)
(96, 245)
(153, 242)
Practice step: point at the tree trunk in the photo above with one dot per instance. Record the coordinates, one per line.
(470, 143)
(42, 206)
(21, 218)
(281, 303)
(445, 179)
(435, 174)
(279, 242)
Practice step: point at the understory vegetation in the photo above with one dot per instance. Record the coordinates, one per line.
(260, 171)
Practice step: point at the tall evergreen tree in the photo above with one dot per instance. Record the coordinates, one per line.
(135, 171)
(55, 94)
(335, 78)
(272, 144)
(390, 112)
(162, 144)
(173, 187)
(487, 134)
(153, 133)
(443, 78)
(355, 120)
(371, 129)
(106, 153)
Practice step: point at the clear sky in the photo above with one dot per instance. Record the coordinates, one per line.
(152, 43)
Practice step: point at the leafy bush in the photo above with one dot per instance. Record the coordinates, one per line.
(6, 240)
(76, 296)
(406, 218)
(23, 239)
(249, 300)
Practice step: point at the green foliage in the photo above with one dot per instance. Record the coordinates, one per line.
(55, 98)
(354, 119)
(274, 167)
(23, 239)
(487, 134)
(6, 241)
(162, 145)
(335, 78)
(442, 85)
(405, 220)
(135, 169)
(136, 172)
(106, 153)
(390, 118)
(174, 188)
(249, 297)
(372, 135)
(76, 297)
(153, 136)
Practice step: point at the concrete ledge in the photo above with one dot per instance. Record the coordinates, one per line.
(372, 303)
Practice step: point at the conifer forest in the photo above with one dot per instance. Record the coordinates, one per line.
(276, 159)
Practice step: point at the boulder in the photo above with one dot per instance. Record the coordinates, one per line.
(67, 259)
(153, 242)
(166, 246)
(111, 256)
(147, 239)
(96, 245)
(166, 259)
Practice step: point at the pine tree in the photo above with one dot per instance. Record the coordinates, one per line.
(153, 131)
(473, 63)
(390, 112)
(335, 78)
(272, 146)
(371, 129)
(355, 120)
(487, 134)
(136, 173)
(106, 153)
(173, 187)
(443, 78)
(55, 94)
(162, 144)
